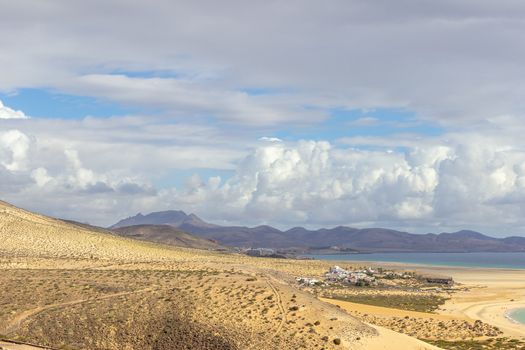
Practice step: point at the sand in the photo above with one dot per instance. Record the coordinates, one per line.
(492, 293)
(487, 295)
(390, 340)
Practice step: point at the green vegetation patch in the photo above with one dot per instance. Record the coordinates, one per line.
(421, 303)
(488, 344)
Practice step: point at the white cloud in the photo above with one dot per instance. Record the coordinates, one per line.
(40, 176)
(270, 139)
(193, 98)
(14, 147)
(365, 121)
(455, 181)
(426, 58)
(9, 113)
(462, 184)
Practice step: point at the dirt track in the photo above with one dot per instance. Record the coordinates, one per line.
(16, 322)
(4, 345)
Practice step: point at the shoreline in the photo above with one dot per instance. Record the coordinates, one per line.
(420, 264)
(489, 293)
(509, 317)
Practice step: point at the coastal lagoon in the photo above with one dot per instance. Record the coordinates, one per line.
(517, 315)
(490, 260)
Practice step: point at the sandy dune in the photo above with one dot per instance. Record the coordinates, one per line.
(388, 340)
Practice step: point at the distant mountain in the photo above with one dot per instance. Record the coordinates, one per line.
(174, 218)
(167, 235)
(340, 238)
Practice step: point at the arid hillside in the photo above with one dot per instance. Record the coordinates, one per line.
(65, 286)
(167, 235)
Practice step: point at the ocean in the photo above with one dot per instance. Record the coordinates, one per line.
(492, 260)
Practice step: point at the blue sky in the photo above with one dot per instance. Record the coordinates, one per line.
(347, 123)
(43, 103)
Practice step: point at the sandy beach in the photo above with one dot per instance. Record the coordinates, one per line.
(492, 293)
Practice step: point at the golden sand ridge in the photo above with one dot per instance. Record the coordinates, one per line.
(65, 286)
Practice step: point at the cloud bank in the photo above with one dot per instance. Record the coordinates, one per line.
(452, 63)
(454, 181)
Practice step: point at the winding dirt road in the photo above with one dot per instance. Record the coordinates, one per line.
(15, 324)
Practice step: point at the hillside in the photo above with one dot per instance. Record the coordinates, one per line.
(23, 233)
(65, 285)
(366, 240)
(167, 235)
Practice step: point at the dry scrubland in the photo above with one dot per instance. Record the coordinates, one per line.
(67, 287)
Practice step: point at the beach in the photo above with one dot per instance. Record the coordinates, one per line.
(492, 293)
(484, 294)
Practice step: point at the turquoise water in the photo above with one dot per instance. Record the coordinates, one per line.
(517, 315)
(494, 260)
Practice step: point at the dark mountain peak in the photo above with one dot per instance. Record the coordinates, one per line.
(168, 214)
(297, 229)
(174, 218)
(194, 221)
(468, 234)
(339, 229)
(168, 217)
(265, 228)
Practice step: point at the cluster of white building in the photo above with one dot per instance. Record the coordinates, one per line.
(363, 277)
(305, 281)
(357, 277)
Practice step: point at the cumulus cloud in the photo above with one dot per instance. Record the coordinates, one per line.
(270, 139)
(96, 170)
(316, 183)
(14, 147)
(9, 113)
(40, 176)
(454, 181)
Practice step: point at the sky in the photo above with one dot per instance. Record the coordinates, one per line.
(401, 114)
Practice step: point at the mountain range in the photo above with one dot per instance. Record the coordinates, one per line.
(341, 238)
